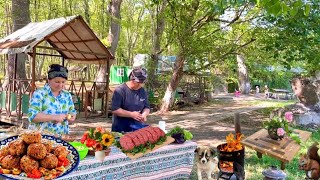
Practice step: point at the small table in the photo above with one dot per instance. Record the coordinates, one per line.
(281, 91)
(283, 150)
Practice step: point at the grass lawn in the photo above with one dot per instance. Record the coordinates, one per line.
(254, 166)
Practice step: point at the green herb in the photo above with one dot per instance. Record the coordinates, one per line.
(187, 134)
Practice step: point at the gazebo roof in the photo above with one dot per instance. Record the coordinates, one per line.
(70, 36)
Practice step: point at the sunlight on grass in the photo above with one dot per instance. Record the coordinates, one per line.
(254, 166)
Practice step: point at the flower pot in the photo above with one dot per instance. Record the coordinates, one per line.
(100, 155)
(92, 152)
(273, 134)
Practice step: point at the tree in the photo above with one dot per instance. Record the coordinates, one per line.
(114, 31)
(195, 23)
(158, 21)
(20, 18)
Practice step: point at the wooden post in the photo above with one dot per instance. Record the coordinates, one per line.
(107, 88)
(15, 72)
(237, 125)
(33, 69)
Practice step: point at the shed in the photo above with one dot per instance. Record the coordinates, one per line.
(70, 36)
(119, 74)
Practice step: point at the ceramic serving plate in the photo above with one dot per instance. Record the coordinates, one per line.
(73, 155)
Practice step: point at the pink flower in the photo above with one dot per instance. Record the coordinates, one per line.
(280, 131)
(288, 116)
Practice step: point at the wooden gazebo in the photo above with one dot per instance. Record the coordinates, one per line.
(71, 37)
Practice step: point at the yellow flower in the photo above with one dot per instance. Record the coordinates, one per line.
(107, 140)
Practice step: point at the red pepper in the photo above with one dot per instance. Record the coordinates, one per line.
(34, 174)
(63, 161)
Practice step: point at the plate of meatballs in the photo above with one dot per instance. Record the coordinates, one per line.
(36, 156)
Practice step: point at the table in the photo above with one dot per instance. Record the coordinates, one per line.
(283, 150)
(281, 91)
(173, 161)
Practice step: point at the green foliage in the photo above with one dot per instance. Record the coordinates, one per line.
(254, 166)
(179, 130)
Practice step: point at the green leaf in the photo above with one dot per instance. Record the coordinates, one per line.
(91, 131)
(98, 136)
(307, 9)
(187, 135)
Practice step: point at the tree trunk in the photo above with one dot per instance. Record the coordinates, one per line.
(243, 76)
(86, 11)
(114, 33)
(308, 92)
(20, 18)
(168, 98)
(159, 28)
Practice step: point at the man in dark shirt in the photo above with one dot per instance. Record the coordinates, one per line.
(130, 106)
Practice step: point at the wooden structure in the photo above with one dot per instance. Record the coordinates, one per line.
(70, 37)
(283, 150)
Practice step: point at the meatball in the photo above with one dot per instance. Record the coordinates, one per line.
(28, 164)
(10, 162)
(49, 162)
(32, 137)
(37, 151)
(17, 147)
(4, 151)
(61, 151)
(48, 144)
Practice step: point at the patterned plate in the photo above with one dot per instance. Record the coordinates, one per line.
(73, 155)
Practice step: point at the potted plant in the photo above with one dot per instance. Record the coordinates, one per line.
(279, 126)
(98, 140)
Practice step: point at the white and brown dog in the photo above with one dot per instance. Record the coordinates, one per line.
(206, 161)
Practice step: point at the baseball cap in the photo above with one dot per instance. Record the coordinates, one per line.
(138, 74)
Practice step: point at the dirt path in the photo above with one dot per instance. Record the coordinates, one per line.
(209, 123)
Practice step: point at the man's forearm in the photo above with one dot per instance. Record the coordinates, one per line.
(122, 113)
(146, 111)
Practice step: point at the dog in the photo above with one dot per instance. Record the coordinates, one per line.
(206, 161)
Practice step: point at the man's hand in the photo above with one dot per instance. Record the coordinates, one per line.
(136, 115)
(144, 117)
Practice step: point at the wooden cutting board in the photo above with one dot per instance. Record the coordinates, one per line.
(136, 156)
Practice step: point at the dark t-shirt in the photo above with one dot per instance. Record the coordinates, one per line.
(130, 100)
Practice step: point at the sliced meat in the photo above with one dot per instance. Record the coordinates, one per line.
(126, 143)
(134, 138)
(154, 134)
(147, 134)
(142, 136)
(159, 131)
(153, 137)
(139, 136)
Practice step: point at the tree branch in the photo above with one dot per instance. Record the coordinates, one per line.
(231, 51)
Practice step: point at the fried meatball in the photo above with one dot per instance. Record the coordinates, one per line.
(49, 162)
(37, 151)
(32, 137)
(28, 164)
(4, 151)
(10, 162)
(48, 144)
(17, 147)
(61, 151)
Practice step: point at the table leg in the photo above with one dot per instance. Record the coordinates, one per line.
(259, 154)
(283, 165)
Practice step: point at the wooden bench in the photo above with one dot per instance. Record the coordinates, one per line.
(283, 150)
